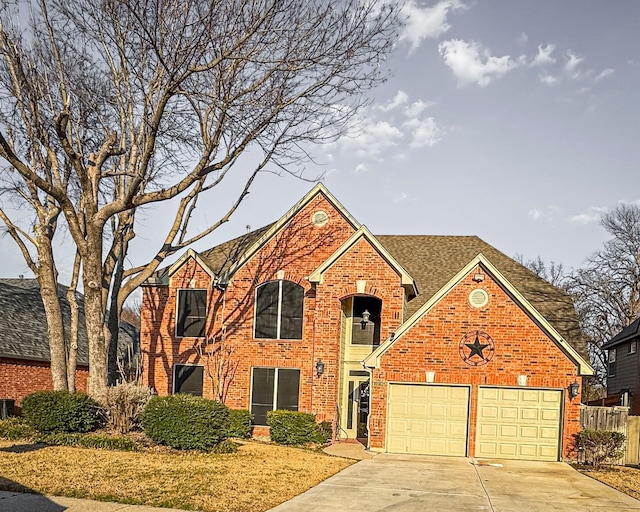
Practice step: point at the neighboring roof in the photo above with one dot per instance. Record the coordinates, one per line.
(482, 262)
(23, 324)
(406, 280)
(434, 260)
(629, 332)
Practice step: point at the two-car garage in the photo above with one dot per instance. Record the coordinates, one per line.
(513, 423)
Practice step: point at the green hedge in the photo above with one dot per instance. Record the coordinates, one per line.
(60, 411)
(185, 422)
(13, 429)
(239, 423)
(297, 428)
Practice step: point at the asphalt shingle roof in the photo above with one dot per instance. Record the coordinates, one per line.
(434, 260)
(23, 324)
(629, 332)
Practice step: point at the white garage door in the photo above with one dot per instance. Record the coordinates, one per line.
(429, 420)
(519, 423)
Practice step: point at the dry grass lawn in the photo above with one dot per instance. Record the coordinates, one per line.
(624, 479)
(256, 478)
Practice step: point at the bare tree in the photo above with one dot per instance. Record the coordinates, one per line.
(551, 272)
(607, 290)
(115, 105)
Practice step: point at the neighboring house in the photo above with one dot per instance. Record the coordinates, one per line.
(24, 343)
(623, 371)
(411, 344)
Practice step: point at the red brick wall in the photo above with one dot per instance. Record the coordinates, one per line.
(521, 347)
(19, 377)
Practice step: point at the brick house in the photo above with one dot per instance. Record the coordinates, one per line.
(623, 368)
(410, 344)
(25, 363)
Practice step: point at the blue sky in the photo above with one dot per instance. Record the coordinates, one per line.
(516, 121)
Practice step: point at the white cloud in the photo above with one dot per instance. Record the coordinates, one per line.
(470, 64)
(370, 138)
(535, 214)
(523, 39)
(604, 73)
(417, 107)
(399, 99)
(544, 55)
(427, 22)
(423, 133)
(571, 66)
(593, 214)
(361, 168)
(548, 214)
(548, 79)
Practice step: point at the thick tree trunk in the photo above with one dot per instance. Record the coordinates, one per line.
(94, 313)
(47, 279)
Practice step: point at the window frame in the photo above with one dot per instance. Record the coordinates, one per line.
(177, 321)
(632, 348)
(611, 362)
(375, 321)
(279, 310)
(175, 380)
(274, 390)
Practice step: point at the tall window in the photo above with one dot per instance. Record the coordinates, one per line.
(271, 389)
(187, 378)
(279, 307)
(192, 313)
(365, 329)
(612, 362)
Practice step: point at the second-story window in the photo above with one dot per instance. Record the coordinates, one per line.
(191, 313)
(279, 309)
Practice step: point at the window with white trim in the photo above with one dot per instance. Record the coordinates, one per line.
(279, 309)
(191, 313)
(612, 363)
(632, 347)
(271, 389)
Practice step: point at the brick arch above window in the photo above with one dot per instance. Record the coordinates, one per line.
(279, 310)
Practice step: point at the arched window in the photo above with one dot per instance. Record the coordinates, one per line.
(279, 306)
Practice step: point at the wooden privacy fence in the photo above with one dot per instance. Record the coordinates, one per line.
(618, 419)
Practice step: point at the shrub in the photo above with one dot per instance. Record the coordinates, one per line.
(185, 421)
(599, 446)
(296, 428)
(226, 446)
(239, 423)
(16, 428)
(60, 411)
(121, 406)
(89, 441)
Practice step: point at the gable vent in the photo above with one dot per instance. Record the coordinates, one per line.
(478, 298)
(320, 218)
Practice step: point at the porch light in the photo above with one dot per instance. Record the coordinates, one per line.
(573, 389)
(365, 318)
(319, 367)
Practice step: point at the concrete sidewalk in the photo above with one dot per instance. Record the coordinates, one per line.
(19, 502)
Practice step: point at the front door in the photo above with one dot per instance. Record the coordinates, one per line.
(357, 408)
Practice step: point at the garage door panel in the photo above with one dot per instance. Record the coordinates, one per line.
(518, 423)
(427, 419)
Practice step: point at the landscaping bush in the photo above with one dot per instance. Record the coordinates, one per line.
(185, 421)
(88, 441)
(239, 423)
(121, 406)
(599, 446)
(16, 428)
(60, 411)
(224, 447)
(296, 428)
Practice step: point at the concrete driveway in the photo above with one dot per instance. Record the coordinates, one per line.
(403, 483)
